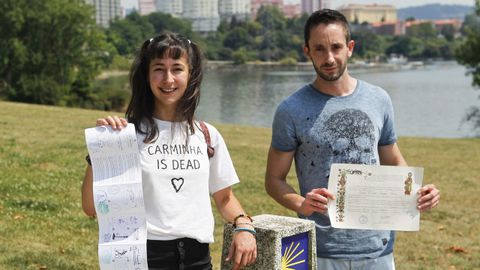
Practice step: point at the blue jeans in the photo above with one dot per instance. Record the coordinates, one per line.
(381, 263)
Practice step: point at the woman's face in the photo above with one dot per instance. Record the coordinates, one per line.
(168, 79)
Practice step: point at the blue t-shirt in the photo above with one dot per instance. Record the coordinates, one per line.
(324, 129)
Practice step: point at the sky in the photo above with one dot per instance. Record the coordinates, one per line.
(337, 3)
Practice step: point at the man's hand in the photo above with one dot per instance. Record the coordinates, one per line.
(429, 197)
(316, 201)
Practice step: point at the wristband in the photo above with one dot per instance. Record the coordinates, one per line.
(89, 161)
(252, 231)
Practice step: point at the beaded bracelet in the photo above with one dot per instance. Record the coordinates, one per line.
(252, 231)
(239, 216)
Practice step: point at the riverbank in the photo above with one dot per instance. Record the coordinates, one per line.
(42, 165)
(300, 66)
(307, 66)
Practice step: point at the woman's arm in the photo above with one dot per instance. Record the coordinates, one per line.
(243, 250)
(87, 193)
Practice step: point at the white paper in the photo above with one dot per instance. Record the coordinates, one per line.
(118, 197)
(374, 197)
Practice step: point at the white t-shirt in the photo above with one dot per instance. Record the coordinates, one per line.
(178, 179)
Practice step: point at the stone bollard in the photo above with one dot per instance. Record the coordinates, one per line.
(282, 243)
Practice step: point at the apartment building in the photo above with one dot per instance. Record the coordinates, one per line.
(256, 4)
(309, 6)
(240, 9)
(292, 10)
(173, 7)
(203, 14)
(106, 11)
(146, 7)
(371, 13)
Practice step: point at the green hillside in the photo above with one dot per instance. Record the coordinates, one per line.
(42, 226)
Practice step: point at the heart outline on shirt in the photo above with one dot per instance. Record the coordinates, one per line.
(177, 183)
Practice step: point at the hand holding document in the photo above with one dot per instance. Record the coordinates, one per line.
(118, 197)
(374, 197)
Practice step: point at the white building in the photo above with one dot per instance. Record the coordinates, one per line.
(309, 6)
(203, 14)
(240, 9)
(106, 10)
(146, 7)
(172, 7)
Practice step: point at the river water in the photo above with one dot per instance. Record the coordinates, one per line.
(429, 101)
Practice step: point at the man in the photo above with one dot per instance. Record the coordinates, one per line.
(335, 119)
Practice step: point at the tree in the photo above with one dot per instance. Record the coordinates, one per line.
(236, 38)
(369, 44)
(448, 32)
(166, 22)
(273, 22)
(51, 51)
(471, 22)
(240, 56)
(424, 30)
(127, 34)
(411, 47)
(223, 26)
(253, 28)
(271, 17)
(467, 54)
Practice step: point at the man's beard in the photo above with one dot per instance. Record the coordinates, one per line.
(330, 78)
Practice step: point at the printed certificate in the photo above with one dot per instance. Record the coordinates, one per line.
(374, 197)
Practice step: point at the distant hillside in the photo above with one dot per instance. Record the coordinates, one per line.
(435, 12)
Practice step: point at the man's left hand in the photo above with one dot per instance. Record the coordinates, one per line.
(428, 197)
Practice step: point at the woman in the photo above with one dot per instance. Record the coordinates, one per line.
(178, 174)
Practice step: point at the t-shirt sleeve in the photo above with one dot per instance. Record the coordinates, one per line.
(283, 130)
(388, 135)
(222, 171)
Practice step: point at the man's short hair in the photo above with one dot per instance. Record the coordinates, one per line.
(325, 16)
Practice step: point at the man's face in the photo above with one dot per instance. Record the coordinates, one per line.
(329, 51)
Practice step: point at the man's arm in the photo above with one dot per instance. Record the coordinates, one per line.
(429, 195)
(391, 155)
(278, 166)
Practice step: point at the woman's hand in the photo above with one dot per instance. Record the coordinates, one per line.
(115, 122)
(243, 251)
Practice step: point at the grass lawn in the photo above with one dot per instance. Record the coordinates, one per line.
(42, 226)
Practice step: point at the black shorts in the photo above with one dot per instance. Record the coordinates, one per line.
(178, 254)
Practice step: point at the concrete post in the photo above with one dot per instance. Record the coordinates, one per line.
(282, 243)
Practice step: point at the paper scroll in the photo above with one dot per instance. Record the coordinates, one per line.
(118, 197)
